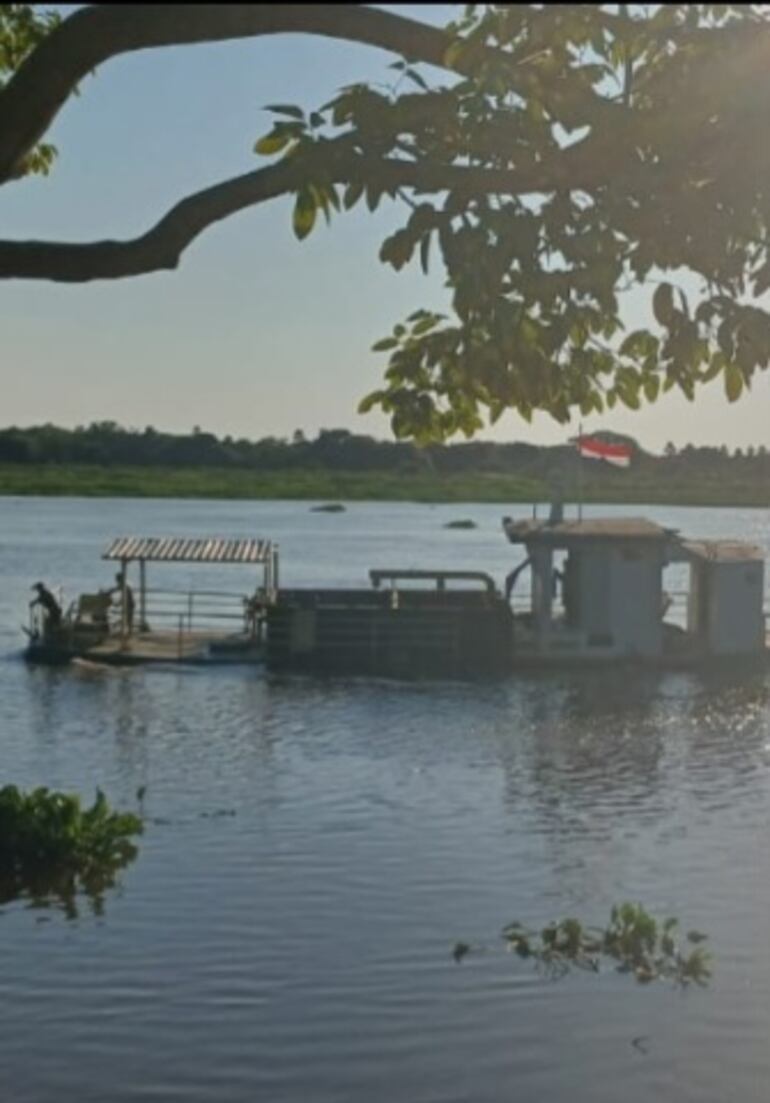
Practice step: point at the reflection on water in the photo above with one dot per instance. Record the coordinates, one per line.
(298, 947)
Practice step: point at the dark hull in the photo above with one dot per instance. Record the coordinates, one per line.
(147, 648)
(425, 635)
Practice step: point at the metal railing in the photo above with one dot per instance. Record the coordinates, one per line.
(190, 610)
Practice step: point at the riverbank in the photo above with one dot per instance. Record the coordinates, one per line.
(91, 481)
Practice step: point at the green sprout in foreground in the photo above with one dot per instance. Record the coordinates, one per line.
(633, 940)
(52, 848)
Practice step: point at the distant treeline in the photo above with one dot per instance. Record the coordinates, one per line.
(106, 444)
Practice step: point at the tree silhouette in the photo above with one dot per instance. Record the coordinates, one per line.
(567, 153)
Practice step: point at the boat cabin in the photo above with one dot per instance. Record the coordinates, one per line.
(597, 593)
(725, 614)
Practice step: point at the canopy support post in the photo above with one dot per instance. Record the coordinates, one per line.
(142, 596)
(123, 611)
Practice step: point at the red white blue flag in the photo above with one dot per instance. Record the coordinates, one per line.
(594, 449)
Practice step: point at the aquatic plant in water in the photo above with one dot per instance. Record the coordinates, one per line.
(52, 848)
(633, 940)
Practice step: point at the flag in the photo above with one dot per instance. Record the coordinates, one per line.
(594, 449)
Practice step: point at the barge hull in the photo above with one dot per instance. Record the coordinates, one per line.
(151, 647)
(419, 634)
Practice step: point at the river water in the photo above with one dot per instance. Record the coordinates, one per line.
(314, 850)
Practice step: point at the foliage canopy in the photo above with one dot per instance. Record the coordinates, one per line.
(635, 942)
(52, 848)
(569, 153)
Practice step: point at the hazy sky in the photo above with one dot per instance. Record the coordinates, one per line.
(256, 333)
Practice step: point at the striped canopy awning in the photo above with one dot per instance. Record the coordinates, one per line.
(182, 549)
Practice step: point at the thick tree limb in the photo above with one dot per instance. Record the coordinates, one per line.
(157, 250)
(92, 35)
(162, 246)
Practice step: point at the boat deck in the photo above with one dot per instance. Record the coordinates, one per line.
(173, 647)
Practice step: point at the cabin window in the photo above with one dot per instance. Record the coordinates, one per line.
(632, 556)
(601, 639)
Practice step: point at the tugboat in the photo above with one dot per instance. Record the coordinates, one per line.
(596, 598)
(613, 603)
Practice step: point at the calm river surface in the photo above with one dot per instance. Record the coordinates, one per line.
(316, 848)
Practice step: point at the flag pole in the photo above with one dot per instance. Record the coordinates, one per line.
(580, 473)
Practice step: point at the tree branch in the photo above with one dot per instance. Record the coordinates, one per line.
(161, 247)
(157, 250)
(94, 34)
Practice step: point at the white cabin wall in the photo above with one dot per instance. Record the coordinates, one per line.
(736, 621)
(620, 598)
(593, 592)
(636, 600)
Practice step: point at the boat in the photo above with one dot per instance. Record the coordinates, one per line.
(614, 607)
(194, 626)
(596, 598)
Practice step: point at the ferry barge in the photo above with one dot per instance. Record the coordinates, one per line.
(596, 597)
(196, 626)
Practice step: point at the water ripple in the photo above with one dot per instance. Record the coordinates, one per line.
(314, 849)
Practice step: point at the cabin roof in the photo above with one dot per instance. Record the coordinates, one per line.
(596, 528)
(183, 549)
(722, 551)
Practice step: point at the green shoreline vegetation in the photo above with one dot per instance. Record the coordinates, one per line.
(105, 460)
(92, 481)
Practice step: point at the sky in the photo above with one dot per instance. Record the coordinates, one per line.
(256, 334)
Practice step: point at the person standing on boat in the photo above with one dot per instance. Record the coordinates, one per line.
(121, 589)
(48, 602)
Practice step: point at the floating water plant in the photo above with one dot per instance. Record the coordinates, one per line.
(52, 848)
(633, 941)
(462, 524)
(329, 507)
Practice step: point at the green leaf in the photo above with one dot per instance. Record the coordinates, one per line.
(733, 382)
(286, 109)
(629, 396)
(397, 249)
(762, 280)
(705, 312)
(453, 53)
(424, 325)
(272, 143)
(639, 343)
(304, 213)
(331, 195)
(369, 402)
(373, 196)
(424, 253)
(663, 304)
(718, 364)
(725, 338)
(353, 193)
(385, 344)
(651, 387)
